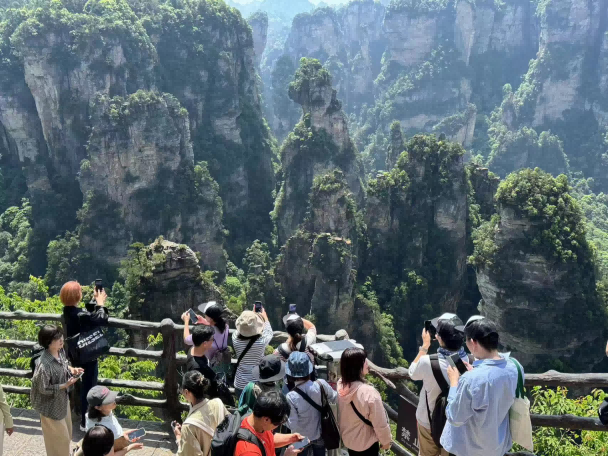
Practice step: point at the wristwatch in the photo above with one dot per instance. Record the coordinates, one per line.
(422, 349)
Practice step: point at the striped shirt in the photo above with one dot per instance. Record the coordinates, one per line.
(46, 397)
(252, 357)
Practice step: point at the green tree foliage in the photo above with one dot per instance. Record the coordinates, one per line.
(562, 442)
(64, 258)
(310, 74)
(15, 238)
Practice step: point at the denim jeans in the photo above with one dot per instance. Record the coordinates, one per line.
(89, 380)
(317, 448)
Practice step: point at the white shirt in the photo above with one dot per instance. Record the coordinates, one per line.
(422, 371)
(109, 421)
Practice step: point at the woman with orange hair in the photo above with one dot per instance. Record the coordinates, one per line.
(77, 320)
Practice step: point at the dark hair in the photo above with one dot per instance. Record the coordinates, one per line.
(272, 405)
(218, 315)
(452, 338)
(196, 383)
(48, 334)
(94, 414)
(484, 332)
(291, 380)
(351, 365)
(98, 441)
(202, 334)
(294, 328)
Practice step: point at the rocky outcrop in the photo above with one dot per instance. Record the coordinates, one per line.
(317, 265)
(537, 278)
(259, 26)
(167, 281)
(529, 295)
(140, 162)
(417, 228)
(319, 144)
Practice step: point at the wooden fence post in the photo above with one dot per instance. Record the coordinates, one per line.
(169, 369)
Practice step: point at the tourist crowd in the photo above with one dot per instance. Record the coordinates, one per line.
(279, 406)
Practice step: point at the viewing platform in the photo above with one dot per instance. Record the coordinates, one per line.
(27, 439)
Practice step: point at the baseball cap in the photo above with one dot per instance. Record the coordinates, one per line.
(100, 395)
(453, 318)
(205, 306)
(470, 320)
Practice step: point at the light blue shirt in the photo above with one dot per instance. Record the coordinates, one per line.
(303, 418)
(478, 410)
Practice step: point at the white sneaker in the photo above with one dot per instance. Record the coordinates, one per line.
(82, 428)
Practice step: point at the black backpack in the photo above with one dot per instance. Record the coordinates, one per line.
(37, 351)
(438, 417)
(329, 429)
(229, 432)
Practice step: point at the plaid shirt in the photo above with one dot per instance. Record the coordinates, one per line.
(46, 397)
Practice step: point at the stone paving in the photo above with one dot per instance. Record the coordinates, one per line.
(27, 439)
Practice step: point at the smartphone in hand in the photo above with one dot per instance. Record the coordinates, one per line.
(456, 361)
(136, 434)
(193, 316)
(258, 306)
(302, 444)
(78, 375)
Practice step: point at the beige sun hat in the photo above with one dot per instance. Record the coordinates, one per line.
(249, 324)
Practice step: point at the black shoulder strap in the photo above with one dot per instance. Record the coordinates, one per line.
(361, 417)
(308, 399)
(282, 352)
(438, 375)
(244, 352)
(248, 436)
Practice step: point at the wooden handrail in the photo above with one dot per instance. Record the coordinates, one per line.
(169, 360)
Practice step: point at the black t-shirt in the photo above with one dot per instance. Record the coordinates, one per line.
(201, 364)
(79, 320)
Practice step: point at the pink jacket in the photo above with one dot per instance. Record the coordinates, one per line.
(357, 435)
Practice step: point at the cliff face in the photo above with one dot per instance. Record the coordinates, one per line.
(140, 161)
(542, 279)
(562, 94)
(417, 228)
(259, 27)
(59, 58)
(319, 144)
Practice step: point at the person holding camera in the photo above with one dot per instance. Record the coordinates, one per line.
(80, 320)
(252, 336)
(51, 383)
(428, 368)
(479, 401)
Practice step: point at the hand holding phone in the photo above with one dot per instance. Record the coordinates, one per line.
(136, 434)
(456, 361)
(78, 375)
(193, 316)
(258, 306)
(292, 308)
(98, 285)
(302, 444)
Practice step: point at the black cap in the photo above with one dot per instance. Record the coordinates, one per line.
(470, 320)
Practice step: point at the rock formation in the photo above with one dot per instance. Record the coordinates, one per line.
(167, 280)
(319, 144)
(259, 26)
(416, 218)
(537, 284)
(140, 163)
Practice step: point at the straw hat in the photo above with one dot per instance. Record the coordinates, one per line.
(249, 324)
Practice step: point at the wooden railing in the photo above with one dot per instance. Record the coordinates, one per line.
(169, 360)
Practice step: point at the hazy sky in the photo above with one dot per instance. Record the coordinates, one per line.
(329, 2)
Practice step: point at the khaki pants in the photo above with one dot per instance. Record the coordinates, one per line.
(57, 434)
(427, 446)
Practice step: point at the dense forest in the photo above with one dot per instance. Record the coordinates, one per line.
(374, 162)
